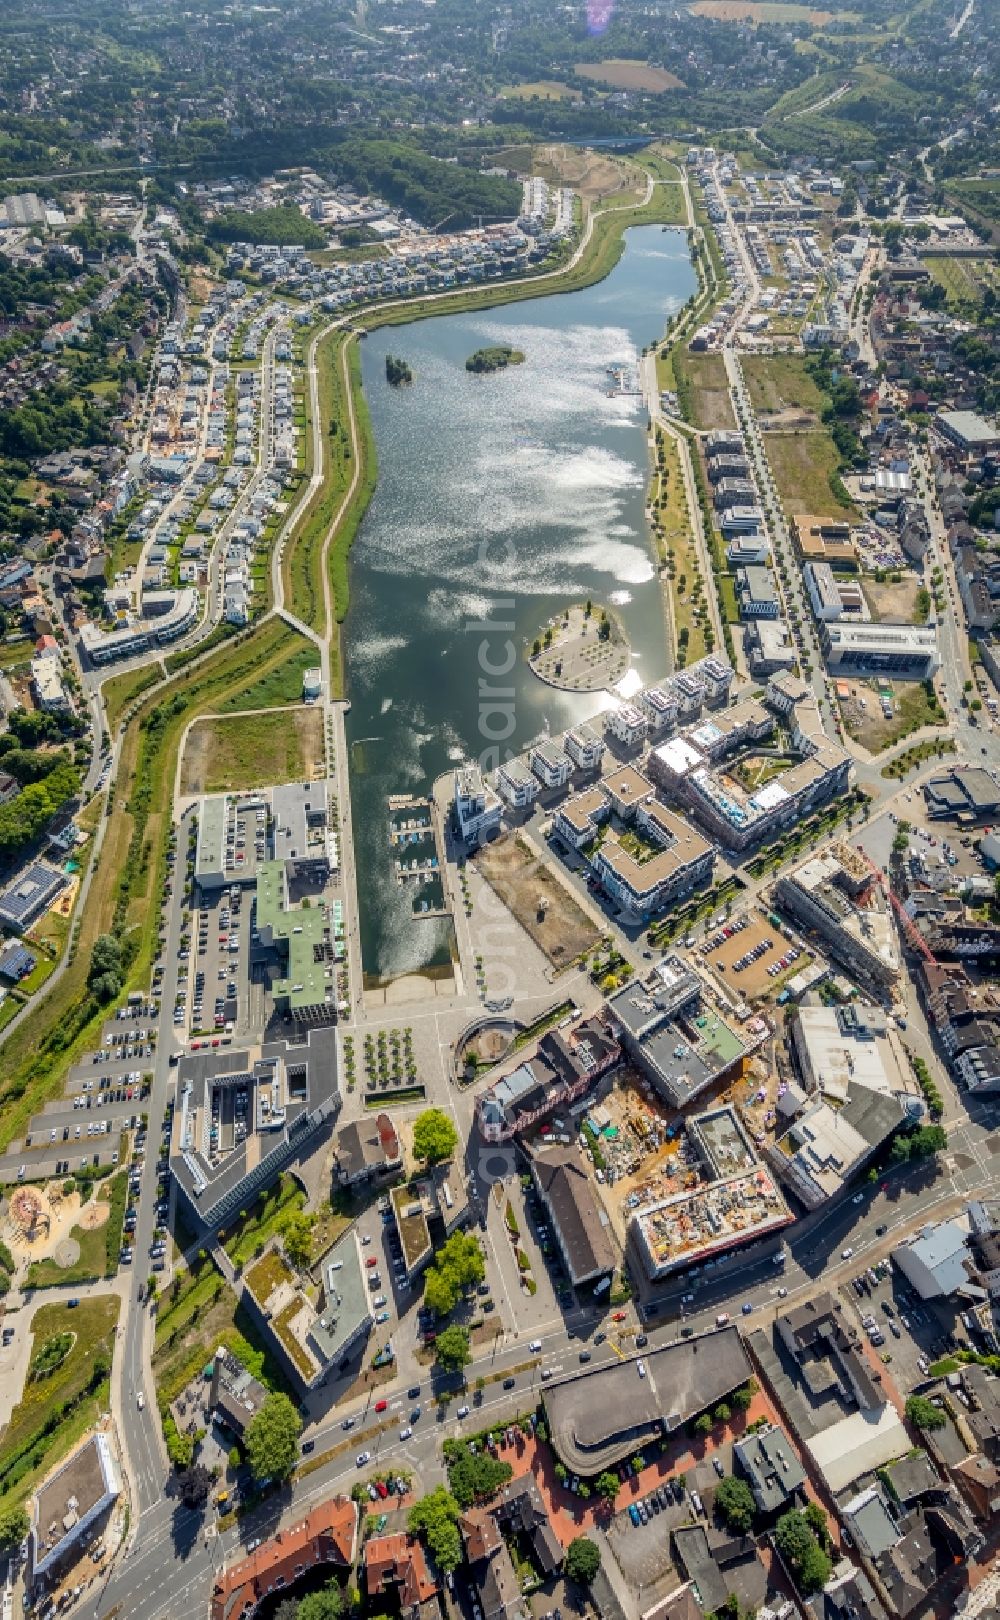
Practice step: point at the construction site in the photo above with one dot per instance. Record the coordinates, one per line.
(719, 1197)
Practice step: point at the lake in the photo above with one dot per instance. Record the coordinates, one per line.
(501, 498)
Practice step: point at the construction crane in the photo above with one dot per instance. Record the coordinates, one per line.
(914, 938)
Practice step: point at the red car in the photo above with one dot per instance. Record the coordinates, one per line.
(382, 1488)
(380, 1406)
(371, 1261)
(619, 1316)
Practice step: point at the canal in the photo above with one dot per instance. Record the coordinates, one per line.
(500, 499)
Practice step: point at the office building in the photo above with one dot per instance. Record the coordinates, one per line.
(676, 1034)
(900, 651)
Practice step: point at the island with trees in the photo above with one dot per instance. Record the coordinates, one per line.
(397, 371)
(496, 358)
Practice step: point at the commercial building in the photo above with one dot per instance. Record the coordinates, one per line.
(567, 1062)
(311, 1341)
(969, 431)
(29, 895)
(756, 593)
(838, 1049)
(243, 1117)
(300, 831)
(236, 1395)
(674, 1031)
(302, 942)
(69, 1503)
(736, 1203)
(901, 651)
(598, 1416)
(426, 1211)
(967, 794)
(821, 539)
(477, 809)
(825, 1148)
(769, 647)
(367, 1150)
(936, 1261)
(833, 894)
(771, 1469)
(580, 1225)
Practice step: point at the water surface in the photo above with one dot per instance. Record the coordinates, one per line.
(500, 499)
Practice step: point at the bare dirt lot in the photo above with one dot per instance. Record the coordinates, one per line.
(247, 750)
(592, 174)
(625, 75)
(537, 899)
(765, 11)
(892, 603)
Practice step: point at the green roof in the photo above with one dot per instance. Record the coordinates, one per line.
(300, 934)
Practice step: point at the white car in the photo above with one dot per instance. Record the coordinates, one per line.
(404, 1434)
(845, 1254)
(535, 1346)
(462, 1412)
(640, 1368)
(140, 1401)
(363, 1457)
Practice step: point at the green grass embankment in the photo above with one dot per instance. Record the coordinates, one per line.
(130, 878)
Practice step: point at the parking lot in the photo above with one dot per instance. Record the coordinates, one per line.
(897, 1323)
(214, 965)
(745, 953)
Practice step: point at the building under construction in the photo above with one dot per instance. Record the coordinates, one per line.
(731, 1200)
(834, 896)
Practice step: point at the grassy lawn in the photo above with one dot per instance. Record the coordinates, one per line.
(780, 382)
(120, 690)
(704, 390)
(281, 682)
(675, 543)
(69, 1400)
(302, 562)
(16, 653)
(540, 90)
(729, 605)
(802, 464)
(192, 1323)
(244, 750)
(255, 1226)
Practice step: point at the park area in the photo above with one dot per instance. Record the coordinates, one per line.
(243, 750)
(537, 899)
(65, 1387)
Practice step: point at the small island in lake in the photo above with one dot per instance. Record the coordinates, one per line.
(494, 359)
(397, 371)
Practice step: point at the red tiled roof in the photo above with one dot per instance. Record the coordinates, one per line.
(481, 1534)
(399, 1560)
(324, 1536)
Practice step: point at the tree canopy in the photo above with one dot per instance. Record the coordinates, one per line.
(734, 1500)
(271, 1440)
(474, 1476)
(434, 1136)
(14, 1526)
(923, 1413)
(797, 1543)
(327, 1604)
(458, 1264)
(582, 1561)
(436, 1517)
(452, 1348)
